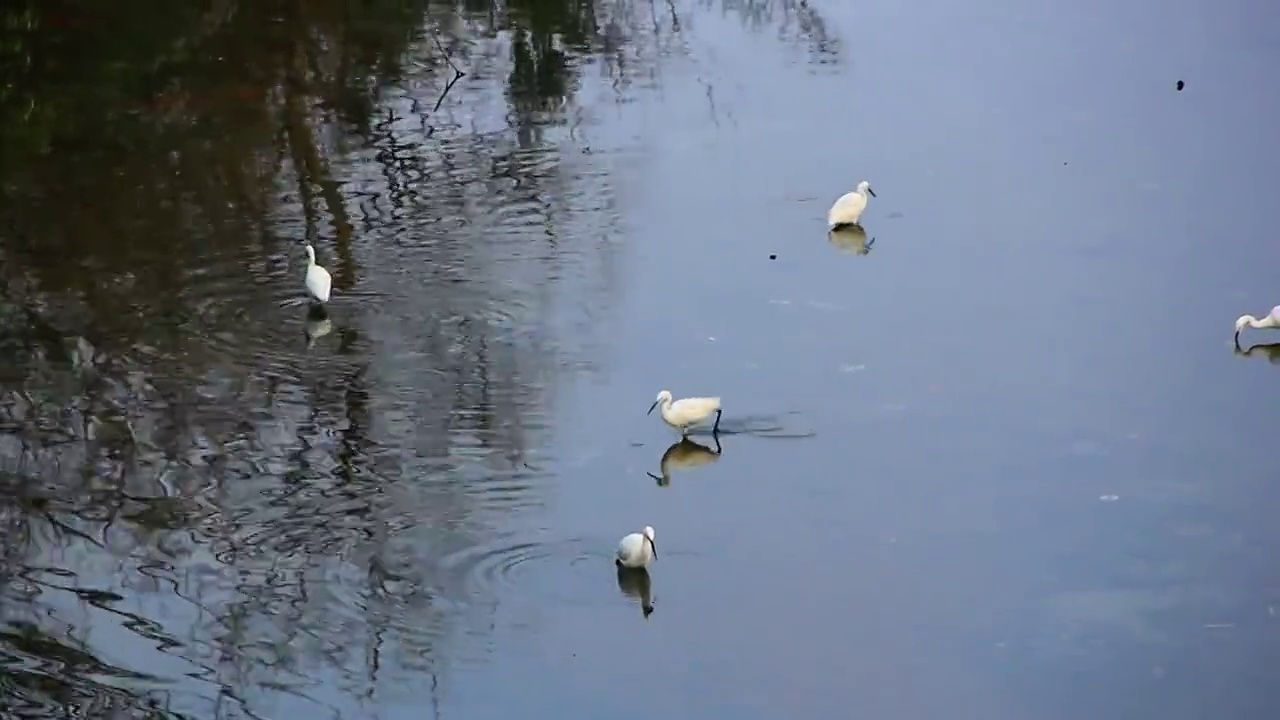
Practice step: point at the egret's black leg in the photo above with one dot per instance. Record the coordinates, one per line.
(716, 429)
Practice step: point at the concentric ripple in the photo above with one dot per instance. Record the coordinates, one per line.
(568, 571)
(261, 321)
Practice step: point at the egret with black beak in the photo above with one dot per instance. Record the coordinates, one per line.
(1270, 320)
(684, 413)
(848, 209)
(637, 550)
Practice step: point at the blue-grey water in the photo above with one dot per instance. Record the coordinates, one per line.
(996, 458)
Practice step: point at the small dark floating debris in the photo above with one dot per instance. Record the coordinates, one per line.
(1181, 85)
(97, 596)
(773, 257)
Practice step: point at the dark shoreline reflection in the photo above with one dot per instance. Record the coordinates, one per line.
(636, 583)
(198, 517)
(41, 670)
(685, 454)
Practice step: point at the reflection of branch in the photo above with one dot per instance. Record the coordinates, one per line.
(711, 100)
(457, 74)
(446, 90)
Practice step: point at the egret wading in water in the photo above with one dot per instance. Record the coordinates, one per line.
(318, 280)
(684, 413)
(848, 209)
(636, 550)
(1270, 320)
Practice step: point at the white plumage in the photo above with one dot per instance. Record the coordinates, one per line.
(684, 413)
(318, 280)
(637, 549)
(1271, 320)
(848, 209)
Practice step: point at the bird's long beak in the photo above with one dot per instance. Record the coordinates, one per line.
(873, 192)
(652, 546)
(651, 407)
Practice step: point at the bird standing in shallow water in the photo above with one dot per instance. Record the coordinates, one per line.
(318, 280)
(1271, 320)
(848, 209)
(684, 413)
(636, 550)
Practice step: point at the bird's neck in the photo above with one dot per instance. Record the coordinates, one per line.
(1266, 322)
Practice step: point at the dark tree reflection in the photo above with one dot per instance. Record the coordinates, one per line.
(205, 506)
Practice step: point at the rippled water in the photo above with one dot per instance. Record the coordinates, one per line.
(994, 456)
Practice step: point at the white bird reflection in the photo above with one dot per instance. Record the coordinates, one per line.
(318, 325)
(636, 583)
(1271, 351)
(851, 239)
(685, 454)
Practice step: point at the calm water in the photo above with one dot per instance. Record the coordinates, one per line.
(1003, 464)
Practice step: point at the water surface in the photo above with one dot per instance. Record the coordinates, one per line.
(1003, 463)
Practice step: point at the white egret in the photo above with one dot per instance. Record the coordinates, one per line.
(637, 550)
(1271, 320)
(848, 209)
(684, 413)
(318, 279)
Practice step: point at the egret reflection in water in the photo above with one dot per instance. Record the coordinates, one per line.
(685, 454)
(851, 239)
(1271, 351)
(636, 583)
(318, 325)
